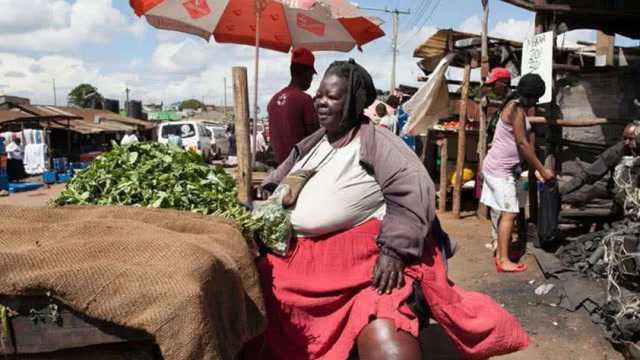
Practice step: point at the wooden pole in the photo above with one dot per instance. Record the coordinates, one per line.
(68, 140)
(255, 84)
(462, 140)
(241, 109)
(482, 150)
(485, 40)
(444, 176)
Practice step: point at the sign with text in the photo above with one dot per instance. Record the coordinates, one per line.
(537, 58)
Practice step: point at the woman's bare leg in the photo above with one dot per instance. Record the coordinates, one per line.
(505, 230)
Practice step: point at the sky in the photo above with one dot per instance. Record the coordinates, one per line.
(103, 43)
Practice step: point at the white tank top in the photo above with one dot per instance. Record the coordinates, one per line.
(340, 195)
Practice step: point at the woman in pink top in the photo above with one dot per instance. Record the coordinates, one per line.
(502, 189)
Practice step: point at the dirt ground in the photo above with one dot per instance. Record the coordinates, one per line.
(555, 333)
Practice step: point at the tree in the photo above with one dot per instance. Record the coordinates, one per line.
(192, 104)
(84, 96)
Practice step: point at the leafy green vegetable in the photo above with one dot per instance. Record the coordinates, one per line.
(160, 176)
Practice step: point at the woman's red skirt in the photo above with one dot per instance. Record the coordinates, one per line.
(319, 298)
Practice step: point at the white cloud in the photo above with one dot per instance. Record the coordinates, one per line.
(30, 15)
(186, 57)
(33, 77)
(471, 24)
(55, 25)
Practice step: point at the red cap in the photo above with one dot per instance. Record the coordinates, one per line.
(303, 56)
(498, 73)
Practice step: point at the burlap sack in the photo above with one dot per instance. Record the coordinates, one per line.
(189, 280)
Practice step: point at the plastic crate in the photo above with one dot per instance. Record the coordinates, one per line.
(80, 165)
(49, 177)
(64, 177)
(60, 164)
(23, 186)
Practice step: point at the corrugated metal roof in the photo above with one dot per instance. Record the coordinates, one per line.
(86, 121)
(436, 45)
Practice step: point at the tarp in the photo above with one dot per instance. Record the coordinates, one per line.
(430, 103)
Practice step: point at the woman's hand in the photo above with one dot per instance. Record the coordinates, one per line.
(546, 176)
(388, 274)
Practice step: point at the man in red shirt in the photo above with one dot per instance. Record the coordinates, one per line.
(291, 113)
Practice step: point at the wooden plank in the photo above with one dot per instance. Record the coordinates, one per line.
(482, 151)
(242, 127)
(484, 72)
(462, 143)
(444, 176)
(74, 330)
(570, 123)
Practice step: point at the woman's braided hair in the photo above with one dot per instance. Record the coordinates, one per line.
(361, 91)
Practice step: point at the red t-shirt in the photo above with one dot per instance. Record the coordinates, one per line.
(291, 119)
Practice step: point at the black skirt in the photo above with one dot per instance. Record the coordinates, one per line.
(15, 170)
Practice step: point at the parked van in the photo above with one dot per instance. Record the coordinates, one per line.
(194, 136)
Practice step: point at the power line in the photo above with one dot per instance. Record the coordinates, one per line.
(394, 44)
(426, 20)
(415, 19)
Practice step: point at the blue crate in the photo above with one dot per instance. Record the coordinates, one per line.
(49, 177)
(60, 164)
(23, 186)
(80, 165)
(64, 177)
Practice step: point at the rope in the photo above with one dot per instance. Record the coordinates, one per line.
(626, 303)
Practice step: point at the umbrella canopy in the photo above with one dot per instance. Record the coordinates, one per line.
(313, 24)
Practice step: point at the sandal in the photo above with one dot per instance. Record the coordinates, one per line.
(520, 268)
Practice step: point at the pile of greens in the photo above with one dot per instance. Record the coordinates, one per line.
(160, 176)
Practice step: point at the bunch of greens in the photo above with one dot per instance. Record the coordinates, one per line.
(159, 176)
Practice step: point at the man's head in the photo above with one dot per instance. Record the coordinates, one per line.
(17, 141)
(381, 110)
(630, 137)
(499, 80)
(302, 68)
(393, 101)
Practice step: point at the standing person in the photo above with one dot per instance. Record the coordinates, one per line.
(502, 189)
(396, 102)
(365, 270)
(291, 113)
(499, 85)
(15, 154)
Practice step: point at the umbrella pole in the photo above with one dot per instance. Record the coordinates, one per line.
(255, 86)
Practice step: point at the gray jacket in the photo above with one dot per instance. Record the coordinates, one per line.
(408, 190)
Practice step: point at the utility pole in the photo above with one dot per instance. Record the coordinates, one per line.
(225, 99)
(395, 13)
(126, 104)
(55, 98)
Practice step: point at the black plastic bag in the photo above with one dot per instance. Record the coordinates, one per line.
(548, 213)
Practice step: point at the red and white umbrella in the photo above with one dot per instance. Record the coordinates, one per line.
(314, 24)
(332, 25)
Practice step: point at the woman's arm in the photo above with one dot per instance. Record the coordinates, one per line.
(525, 147)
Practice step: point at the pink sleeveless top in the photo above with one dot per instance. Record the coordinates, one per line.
(503, 155)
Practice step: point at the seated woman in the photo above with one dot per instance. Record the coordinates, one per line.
(366, 247)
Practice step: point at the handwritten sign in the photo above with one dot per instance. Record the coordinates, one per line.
(537, 58)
